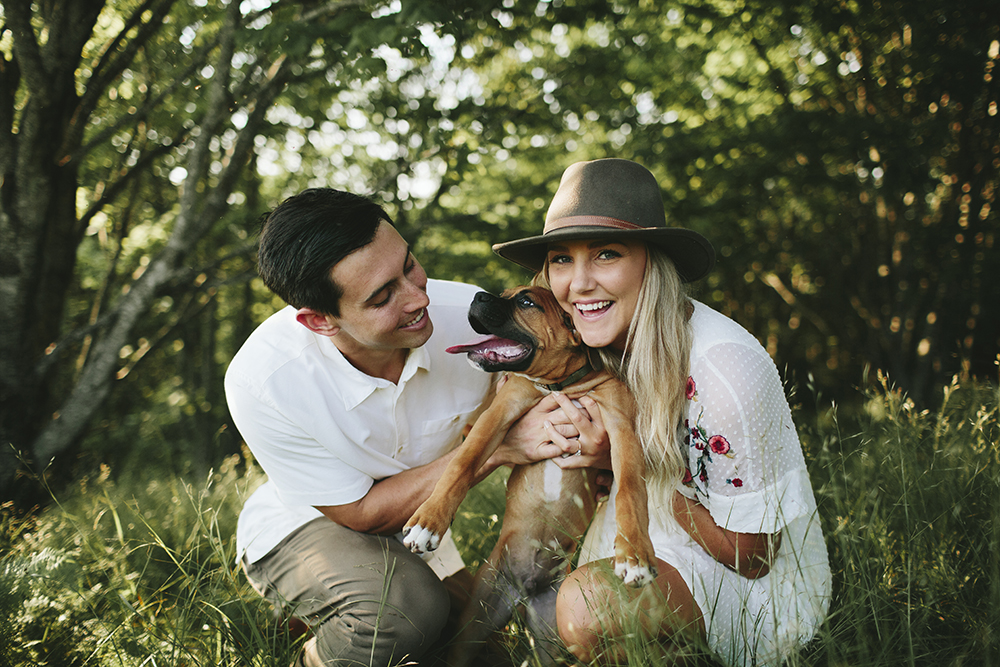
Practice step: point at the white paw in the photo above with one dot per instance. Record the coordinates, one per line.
(634, 575)
(420, 540)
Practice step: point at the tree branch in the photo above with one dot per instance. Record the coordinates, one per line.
(111, 65)
(26, 49)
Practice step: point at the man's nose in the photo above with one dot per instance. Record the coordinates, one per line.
(417, 295)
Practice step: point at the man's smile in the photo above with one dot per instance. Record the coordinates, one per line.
(419, 316)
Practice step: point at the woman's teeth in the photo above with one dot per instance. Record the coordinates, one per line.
(590, 307)
(416, 319)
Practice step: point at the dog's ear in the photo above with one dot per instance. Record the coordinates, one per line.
(568, 322)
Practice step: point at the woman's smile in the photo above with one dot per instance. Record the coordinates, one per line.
(592, 308)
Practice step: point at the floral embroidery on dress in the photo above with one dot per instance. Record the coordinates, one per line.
(706, 446)
(690, 391)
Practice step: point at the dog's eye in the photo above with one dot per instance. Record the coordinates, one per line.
(526, 301)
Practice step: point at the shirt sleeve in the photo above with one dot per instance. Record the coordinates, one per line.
(304, 470)
(745, 462)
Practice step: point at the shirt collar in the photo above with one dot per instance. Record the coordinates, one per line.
(356, 386)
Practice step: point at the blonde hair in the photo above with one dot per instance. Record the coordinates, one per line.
(655, 366)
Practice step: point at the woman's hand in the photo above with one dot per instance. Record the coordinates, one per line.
(590, 447)
(529, 440)
(557, 428)
(573, 437)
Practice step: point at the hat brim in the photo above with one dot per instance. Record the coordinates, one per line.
(691, 252)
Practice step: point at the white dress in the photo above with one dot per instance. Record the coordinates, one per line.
(746, 467)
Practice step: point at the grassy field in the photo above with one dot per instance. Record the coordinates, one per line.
(129, 573)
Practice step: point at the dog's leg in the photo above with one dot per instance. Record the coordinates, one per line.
(634, 555)
(424, 530)
(491, 605)
(548, 509)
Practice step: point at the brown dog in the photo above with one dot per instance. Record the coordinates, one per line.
(529, 335)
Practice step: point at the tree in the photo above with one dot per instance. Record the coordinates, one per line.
(130, 136)
(842, 158)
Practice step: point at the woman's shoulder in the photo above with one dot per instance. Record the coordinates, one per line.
(721, 346)
(711, 328)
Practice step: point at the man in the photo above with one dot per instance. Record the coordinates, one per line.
(350, 404)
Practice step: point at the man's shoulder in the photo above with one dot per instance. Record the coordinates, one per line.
(450, 294)
(272, 344)
(449, 309)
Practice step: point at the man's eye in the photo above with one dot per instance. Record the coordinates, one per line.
(379, 304)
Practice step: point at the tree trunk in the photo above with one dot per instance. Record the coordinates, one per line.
(38, 221)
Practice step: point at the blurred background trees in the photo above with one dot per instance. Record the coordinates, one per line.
(842, 157)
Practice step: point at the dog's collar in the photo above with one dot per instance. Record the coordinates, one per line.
(574, 377)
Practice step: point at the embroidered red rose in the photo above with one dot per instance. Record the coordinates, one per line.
(689, 388)
(737, 482)
(703, 475)
(688, 477)
(718, 444)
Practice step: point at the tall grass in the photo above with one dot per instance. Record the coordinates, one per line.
(127, 572)
(909, 502)
(136, 575)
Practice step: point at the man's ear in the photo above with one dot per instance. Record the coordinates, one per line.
(319, 323)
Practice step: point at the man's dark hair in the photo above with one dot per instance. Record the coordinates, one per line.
(303, 239)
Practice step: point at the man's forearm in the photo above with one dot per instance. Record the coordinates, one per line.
(390, 502)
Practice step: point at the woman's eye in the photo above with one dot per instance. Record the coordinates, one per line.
(558, 259)
(608, 254)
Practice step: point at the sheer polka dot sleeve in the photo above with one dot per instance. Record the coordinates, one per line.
(745, 462)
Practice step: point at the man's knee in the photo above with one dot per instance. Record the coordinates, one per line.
(405, 622)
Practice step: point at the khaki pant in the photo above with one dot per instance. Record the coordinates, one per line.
(366, 598)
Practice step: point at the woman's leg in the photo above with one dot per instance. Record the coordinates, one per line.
(594, 608)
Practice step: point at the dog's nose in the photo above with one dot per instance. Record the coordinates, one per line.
(482, 297)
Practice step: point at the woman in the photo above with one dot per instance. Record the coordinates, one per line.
(740, 554)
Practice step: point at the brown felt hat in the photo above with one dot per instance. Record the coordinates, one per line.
(616, 199)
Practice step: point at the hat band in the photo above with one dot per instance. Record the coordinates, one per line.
(589, 221)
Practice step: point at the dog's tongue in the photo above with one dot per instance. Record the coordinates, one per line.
(473, 345)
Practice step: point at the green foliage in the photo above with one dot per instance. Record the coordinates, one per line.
(477, 522)
(134, 572)
(138, 573)
(908, 502)
(841, 157)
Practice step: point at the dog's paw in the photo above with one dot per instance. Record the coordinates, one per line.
(420, 540)
(635, 560)
(634, 573)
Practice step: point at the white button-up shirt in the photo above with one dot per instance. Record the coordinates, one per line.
(325, 432)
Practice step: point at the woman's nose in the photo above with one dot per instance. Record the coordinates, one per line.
(582, 280)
